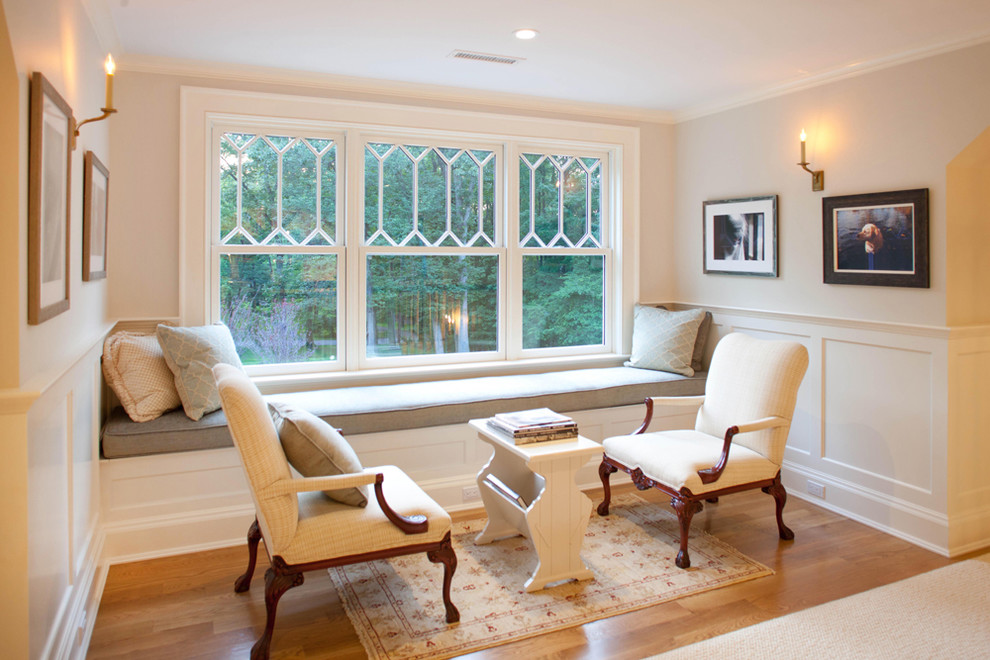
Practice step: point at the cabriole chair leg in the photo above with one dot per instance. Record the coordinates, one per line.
(243, 583)
(277, 582)
(605, 471)
(780, 498)
(445, 555)
(685, 510)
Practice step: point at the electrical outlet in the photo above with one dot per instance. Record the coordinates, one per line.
(816, 489)
(471, 493)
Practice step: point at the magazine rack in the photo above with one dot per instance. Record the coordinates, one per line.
(533, 494)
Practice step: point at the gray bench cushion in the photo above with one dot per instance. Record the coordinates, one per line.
(411, 405)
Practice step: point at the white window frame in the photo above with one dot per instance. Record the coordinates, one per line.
(619, 149)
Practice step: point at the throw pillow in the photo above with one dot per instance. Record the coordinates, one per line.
(135, 369)
(664, 340)
(316, 449)
(191, 354)
(698, 356)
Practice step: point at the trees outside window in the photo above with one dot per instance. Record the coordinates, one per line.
(443, 268)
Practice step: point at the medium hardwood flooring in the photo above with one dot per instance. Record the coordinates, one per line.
(185, 606)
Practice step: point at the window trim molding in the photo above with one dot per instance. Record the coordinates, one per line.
(200, 106)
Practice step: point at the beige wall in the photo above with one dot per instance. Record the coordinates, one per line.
(56, 38)
(144, 246)
(968, 234)
(49, 404)
(892, 129)
(9, 227)
(13, 422)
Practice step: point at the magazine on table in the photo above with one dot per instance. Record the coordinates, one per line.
(537, 425)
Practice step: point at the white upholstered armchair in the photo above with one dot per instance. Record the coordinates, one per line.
(303, 530)
(738, 439)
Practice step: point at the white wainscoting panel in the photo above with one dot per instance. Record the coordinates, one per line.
(870, 425)
(175, 503)
(65, 539)
(878, 415)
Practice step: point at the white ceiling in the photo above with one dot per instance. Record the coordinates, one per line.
(673, 56)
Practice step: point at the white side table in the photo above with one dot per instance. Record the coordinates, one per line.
(553, 515)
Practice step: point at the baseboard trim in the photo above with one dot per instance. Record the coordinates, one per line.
(932, 526)
(73, 625)
(177, 534)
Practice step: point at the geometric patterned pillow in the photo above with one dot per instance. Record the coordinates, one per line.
(664, 340)
(135, 369)
(191, 353)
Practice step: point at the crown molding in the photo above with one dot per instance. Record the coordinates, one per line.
(828, 77)
(398, 91)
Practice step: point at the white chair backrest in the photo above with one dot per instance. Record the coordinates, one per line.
(750, 379)
(261, 453)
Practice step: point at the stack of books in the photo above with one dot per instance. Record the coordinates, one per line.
(538, 425)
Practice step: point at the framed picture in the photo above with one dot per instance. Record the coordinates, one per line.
(878, 239)
(96, 190)
(49, 179)
(740, 236)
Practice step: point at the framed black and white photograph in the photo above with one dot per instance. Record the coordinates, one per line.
(740, 236)
(877, 239)
(49, 181)
(96, 190)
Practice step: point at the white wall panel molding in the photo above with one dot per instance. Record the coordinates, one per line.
(870, 425)
(919, 525)
(934, 332)
(65, 536)
(154, 506)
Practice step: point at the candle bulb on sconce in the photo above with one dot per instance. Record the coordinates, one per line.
(817, 176)
(110, 67)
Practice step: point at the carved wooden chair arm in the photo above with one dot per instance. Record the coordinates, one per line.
(685, 401)
(414, 524)
(710, 475)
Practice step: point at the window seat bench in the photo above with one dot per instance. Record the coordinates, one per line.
(375, 408)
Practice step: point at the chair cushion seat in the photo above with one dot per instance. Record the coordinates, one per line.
(329, 529)
(673, 458)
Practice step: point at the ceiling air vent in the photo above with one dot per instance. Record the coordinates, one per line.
(484, 57)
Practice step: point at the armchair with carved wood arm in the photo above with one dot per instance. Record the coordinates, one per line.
(738, 440)
(303, 530)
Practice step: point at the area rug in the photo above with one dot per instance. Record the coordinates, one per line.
(941, 614)
(396, 608)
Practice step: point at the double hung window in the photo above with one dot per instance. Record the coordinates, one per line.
(336, 247)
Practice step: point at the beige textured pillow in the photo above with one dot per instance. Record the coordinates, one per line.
(664, 340)
(698, 356)
(135, 369)
(316, 449)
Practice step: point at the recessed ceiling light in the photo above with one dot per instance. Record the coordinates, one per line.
(525, 33)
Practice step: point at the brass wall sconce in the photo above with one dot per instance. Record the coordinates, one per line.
(109, 66)
(817, 176)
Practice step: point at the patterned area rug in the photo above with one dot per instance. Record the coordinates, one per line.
(397, 610)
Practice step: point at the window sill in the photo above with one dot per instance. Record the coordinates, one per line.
(278, 384)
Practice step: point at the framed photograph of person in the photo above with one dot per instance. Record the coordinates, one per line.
(877, 239)
(740, 236)
(49, 180)
(96, 188)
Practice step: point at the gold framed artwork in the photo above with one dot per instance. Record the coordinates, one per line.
(49, 185)
(96, 195)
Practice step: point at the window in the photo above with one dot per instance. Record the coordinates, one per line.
(338, 245)
(431, 266)
(560, 235)
(276, 248)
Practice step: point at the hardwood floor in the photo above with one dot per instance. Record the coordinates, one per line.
(185, 606)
